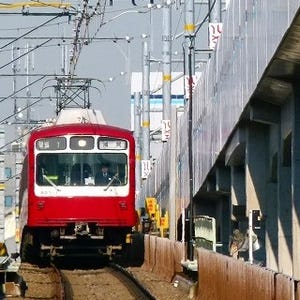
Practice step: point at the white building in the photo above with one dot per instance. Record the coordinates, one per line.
(156, 102)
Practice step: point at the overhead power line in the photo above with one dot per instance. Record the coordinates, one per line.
(23, 88)
(28, 32)
(24, 54)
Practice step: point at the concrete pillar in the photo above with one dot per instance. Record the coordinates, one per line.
(295, 161)
(285, 260)
(271, 223)
(235, 158)
(238, 198)
(271, 211)
(256, 164)
(265, 113)
(223, 211)
(238, 195)
(224, 206)
(284, 203)
(223, 179)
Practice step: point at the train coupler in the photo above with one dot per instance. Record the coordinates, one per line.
(111, 249)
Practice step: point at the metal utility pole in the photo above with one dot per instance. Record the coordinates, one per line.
(190, 71)
(15, 69)
(190, 152)
(18, 170)
(215, 25)
(137, 135)
(146, 165)
(189, 32)
(2, 207)
(250, 237)
(215, 15)
(166, 53)
(64, 59)
(28, 67)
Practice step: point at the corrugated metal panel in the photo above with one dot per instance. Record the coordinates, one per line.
(284, 287)
(297, 290)
(251, 34)
(222, 277)
(252, 31)
(219, 276)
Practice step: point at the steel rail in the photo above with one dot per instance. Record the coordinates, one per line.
(133, 285)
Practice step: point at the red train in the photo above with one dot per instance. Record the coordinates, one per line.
(64, 208)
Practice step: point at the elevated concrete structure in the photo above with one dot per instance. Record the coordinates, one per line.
(262, 153)
(245, 135)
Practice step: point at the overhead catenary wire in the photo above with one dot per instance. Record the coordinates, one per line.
(23, 88)
(16, 139)
(26, 53)
(103, 23)
(27, 34)
(84, 19)
(30, 31)
(76, 42)
(99, 10)
(31, 27)
(21, 110)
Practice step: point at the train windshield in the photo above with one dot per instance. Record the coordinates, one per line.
(70, 169)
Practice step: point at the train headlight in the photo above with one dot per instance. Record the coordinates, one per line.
(82, 143)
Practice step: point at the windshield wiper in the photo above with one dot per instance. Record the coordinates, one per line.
(111, 181)
(51, 182)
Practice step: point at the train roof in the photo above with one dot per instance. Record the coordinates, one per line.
(80, 115)
(79, 121)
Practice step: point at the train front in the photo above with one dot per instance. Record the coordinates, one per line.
(73, 207)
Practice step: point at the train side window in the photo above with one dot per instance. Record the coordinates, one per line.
(41, 171)
(47, 172)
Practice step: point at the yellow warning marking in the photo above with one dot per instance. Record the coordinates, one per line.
(167, 77)
(36, 4)
(189, 27)
(145, 124)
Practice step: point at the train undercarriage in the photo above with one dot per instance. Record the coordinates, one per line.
(43, 245)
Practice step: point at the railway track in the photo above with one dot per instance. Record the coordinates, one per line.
(109, 282)
(137, 289)
(41, 283)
